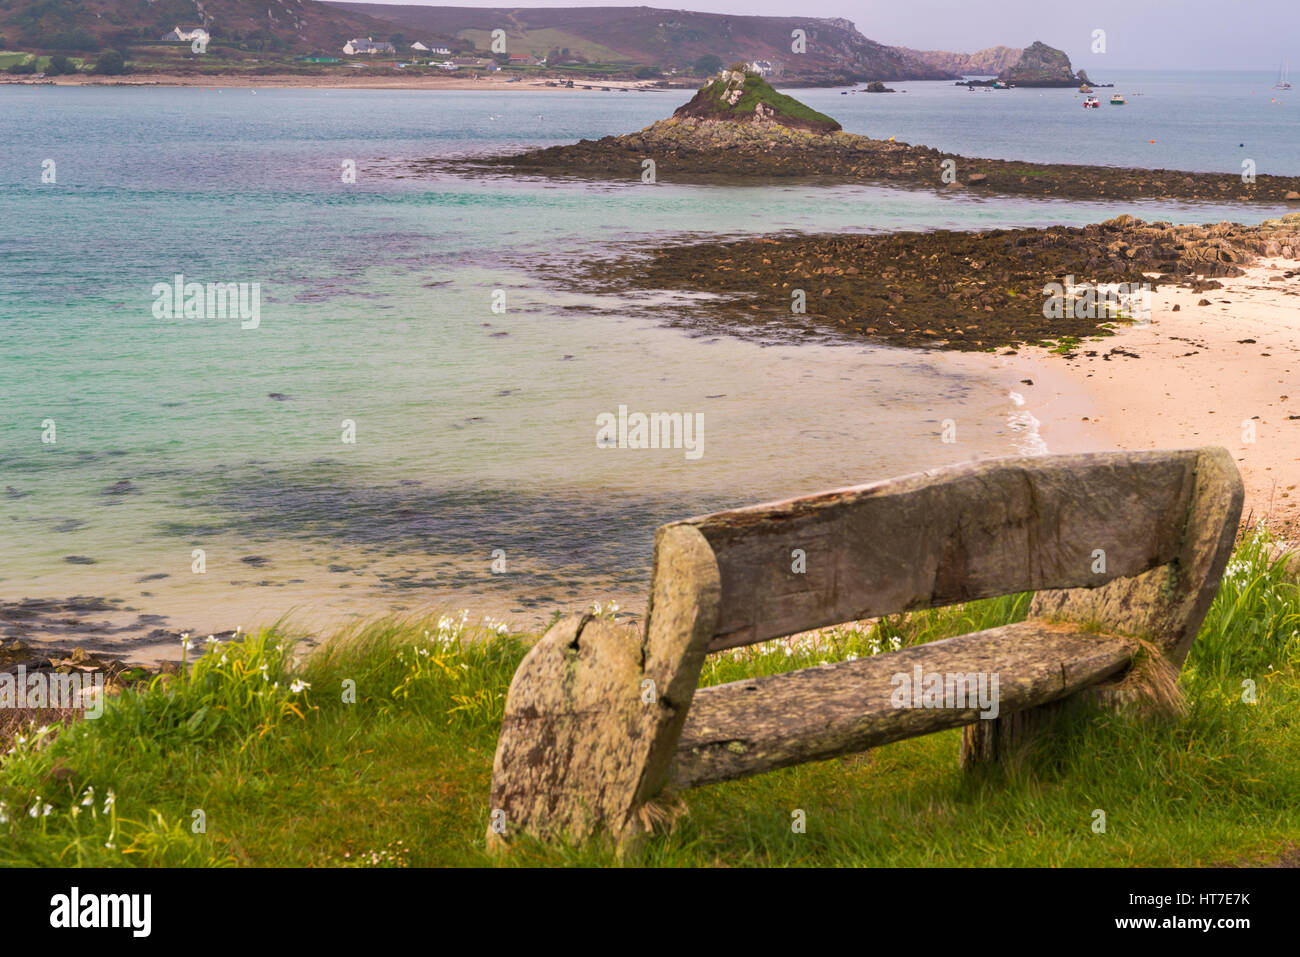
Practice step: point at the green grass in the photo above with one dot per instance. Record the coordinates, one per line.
(757, 90)
(293, 774)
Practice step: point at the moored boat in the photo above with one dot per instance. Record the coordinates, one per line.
(1118, 100)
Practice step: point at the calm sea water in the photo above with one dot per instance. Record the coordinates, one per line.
(474, 429)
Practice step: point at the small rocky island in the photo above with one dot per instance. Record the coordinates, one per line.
(737, 96)
(737, 129)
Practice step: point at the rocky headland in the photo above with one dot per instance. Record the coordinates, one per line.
(743, 131)
(1040, 65)
(1036, 65)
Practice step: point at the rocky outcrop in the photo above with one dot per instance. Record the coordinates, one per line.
(1041, 65)
(693, 149)
(955, 290)
(739, 96)
(988, 62)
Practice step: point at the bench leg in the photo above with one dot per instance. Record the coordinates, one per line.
(571, 752)
(1000, 740)
(595, 710)
(1148, 688)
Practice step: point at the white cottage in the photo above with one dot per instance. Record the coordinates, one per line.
(187, 34)
(367, 46)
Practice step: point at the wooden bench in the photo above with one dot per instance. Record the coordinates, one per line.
(601, 717)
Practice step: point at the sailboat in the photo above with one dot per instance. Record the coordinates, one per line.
(1282, 82)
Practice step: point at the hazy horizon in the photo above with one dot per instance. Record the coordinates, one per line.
(1140, 34)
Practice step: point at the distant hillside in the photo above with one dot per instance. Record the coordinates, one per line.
(89, 25)
(988, 62)
(671, 39)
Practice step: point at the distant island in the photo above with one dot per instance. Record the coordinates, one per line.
(738, 129)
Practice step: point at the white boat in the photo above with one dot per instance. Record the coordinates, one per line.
(1283, 83)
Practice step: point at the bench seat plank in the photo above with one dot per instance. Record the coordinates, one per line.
(747, 727)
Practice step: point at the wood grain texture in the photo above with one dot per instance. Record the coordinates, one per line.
(945, 536)
(1167, 605)
(747, 727)
(572, 746)
(594, 711)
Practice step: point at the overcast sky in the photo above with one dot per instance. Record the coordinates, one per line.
(1140, 34)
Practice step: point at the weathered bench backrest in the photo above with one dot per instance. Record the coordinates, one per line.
(958, 534)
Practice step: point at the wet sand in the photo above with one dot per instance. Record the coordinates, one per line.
(1224, 374)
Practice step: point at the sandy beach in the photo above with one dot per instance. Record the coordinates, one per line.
(1227, 374)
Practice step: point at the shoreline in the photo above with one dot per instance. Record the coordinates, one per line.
(1225, 374)
(1191, 376)
(486, 83)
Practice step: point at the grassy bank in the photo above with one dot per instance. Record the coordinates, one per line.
(281, 764)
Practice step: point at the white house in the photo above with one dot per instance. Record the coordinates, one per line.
(417, 45)
(441, 51)
(188, 34)
(367, 46)
(762, 67)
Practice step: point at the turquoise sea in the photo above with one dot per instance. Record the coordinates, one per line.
(474, 429)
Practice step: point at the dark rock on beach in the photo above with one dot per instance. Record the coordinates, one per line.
(955, 290)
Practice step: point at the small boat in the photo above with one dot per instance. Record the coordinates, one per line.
(1283, 83)
(1085, 88)
(1118, 100)
(1091, 102)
